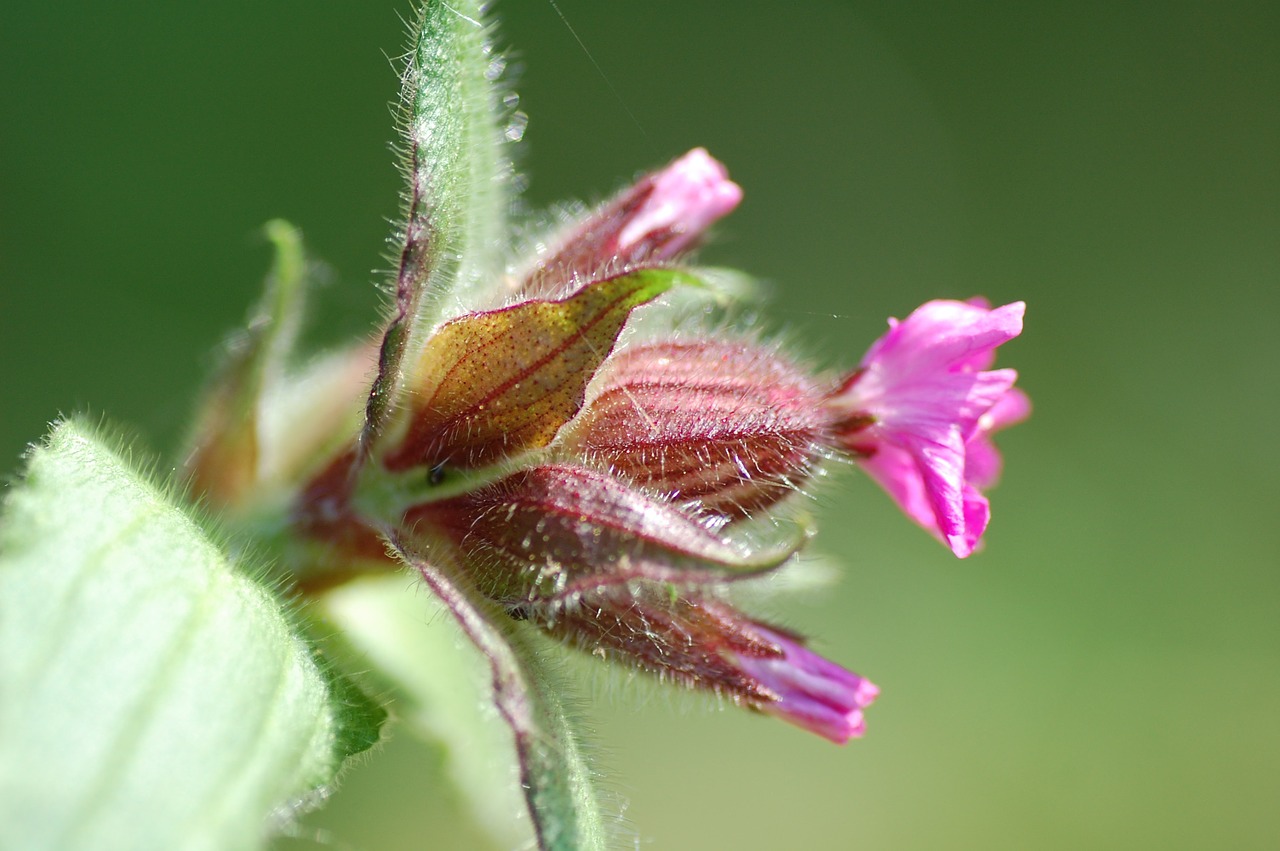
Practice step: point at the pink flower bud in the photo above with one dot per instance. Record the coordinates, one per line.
(812, 692)
(711, 646)
(685, 198)
(660, 216)
(919, 412)
(731, 426)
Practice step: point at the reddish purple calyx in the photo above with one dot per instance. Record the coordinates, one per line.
(729, 426)
(546, 535)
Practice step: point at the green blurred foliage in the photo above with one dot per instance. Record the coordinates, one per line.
(1102, 676)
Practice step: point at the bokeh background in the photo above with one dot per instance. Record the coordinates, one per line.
(1104, 675)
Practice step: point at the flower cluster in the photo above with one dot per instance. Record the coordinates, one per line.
(609, 487)
(566, 435)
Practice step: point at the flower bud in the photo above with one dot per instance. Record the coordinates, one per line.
(731, 426)
(660, 216)
(711, 646)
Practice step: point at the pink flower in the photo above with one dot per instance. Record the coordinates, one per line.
(919, 412)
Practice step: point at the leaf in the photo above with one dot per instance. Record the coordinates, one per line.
(152, 694)
(225, 458)
(558, 783)
(458, 198)
(490, 385)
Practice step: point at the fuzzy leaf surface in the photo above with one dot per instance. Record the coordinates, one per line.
(152, 693)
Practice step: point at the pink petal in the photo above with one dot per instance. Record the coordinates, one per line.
(920, 411)
(982, 459)
(898, 473)
(947, 335)
(654, 220)
(687, 196)
(812, 692)
(1010, 409)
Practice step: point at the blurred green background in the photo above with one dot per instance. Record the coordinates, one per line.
(1104, 675)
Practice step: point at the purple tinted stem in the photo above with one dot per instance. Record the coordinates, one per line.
(561, 805)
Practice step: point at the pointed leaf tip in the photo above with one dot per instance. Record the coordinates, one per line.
(490, 385)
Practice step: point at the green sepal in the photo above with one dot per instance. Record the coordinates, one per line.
(224, 459)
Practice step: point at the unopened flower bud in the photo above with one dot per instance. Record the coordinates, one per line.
(682, 202)
(729, 425)
(548, 534)
(712, 646)
(658, 217)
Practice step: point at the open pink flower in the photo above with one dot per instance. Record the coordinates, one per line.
(919, 412)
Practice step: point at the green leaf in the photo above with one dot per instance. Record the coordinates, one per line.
(459, 196)
(152, 693)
